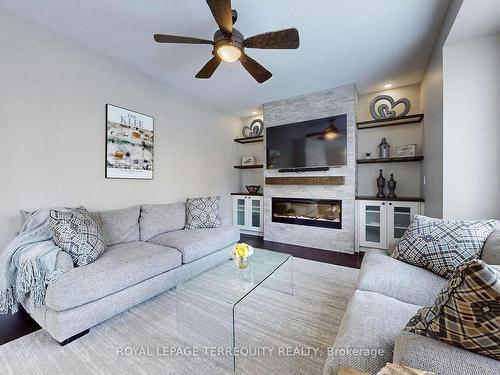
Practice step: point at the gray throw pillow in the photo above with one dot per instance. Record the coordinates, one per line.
(442, 245)
(202, 213)
(466, 312)
(76, 233)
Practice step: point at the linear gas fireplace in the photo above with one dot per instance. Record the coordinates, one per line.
(326, 213)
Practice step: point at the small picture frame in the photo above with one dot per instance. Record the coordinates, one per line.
(406, 151)
(247, 160)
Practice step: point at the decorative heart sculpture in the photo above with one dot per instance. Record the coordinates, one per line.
(384, 112)
(254, 129)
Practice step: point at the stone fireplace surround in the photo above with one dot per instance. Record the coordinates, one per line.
(331, 102)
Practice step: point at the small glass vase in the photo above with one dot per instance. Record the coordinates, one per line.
(243, 263)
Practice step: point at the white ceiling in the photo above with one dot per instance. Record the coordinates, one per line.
(476, 18)
(369, 42)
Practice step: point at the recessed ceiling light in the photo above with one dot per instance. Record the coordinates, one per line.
(388, 86)
(254, 112)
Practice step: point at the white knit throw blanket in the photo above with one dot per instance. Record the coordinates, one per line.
(28, 264)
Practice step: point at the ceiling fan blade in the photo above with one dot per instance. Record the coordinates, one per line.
(161, 38)
(209, 68)
(256, 70)
(283, 39)
(221, 10)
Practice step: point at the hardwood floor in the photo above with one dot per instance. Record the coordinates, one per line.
(325, 256)
(20, 324)
(15, 326)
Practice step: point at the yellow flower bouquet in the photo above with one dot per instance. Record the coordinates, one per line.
(241, 253)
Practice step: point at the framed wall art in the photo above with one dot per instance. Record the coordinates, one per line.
(129, 144)
(406, 151)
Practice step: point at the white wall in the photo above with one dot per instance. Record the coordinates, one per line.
(431, 102)
(407, 175)
(471, 132)
(52, 116)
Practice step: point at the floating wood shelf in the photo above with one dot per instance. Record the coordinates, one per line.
(259, 138)
(390, 160)
(410, 119)
(406, 199)
(253, 194)
(249, 166)
(327, 180)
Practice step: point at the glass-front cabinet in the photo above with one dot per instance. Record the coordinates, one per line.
(382, 224)
(372, 220)
(399, 216)
(248, 213)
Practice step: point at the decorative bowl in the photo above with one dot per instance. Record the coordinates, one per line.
(253, 189)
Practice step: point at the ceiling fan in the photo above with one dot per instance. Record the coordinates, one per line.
(229, 44)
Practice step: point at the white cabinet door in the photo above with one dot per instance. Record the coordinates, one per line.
(239, 211)
(399, 216)
(372, 224)
(255, 208)
(248, 213)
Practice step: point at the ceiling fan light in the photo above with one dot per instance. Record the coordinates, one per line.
(229, 53)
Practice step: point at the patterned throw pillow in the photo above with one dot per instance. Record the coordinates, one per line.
(202, 213)
(76, 233)
(466, 313)
(442, 245)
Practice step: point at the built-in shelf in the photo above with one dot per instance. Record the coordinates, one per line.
(390, 160)
(259, 138)
(402, 199)
(249, 166)
(410, 119)
(252, 194)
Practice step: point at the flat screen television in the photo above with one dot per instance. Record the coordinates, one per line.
(308, 144)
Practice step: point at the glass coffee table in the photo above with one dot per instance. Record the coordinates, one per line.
(206, 303)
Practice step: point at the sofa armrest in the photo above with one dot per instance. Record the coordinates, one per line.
(427, 354)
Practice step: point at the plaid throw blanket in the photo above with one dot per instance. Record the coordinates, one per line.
(28, 264)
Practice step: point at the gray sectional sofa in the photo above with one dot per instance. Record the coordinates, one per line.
(148, 252)
(389, 292)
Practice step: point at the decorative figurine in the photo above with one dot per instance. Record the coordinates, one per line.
(383, 111)
(368, 155)
(384, 149)
(380, 185)
(391, 184)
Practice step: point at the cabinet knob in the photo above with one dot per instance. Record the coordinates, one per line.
(390, 204)
(383, 203)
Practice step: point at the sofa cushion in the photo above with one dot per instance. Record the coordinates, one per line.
(382, 274)
(161, 218)
(466, 313)
(202, 213)
(371, 323)
(120, 266)
(119, 226)
(491, 248)
(442, 245)
(422, 352)
(76, 233)
(196, 243)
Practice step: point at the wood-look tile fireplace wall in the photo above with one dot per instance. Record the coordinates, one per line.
(332, 102)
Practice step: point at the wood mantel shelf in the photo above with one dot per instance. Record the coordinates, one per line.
(326, 180)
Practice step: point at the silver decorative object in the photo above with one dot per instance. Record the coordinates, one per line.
(383, 111)
(384, 149)
(255, 129)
